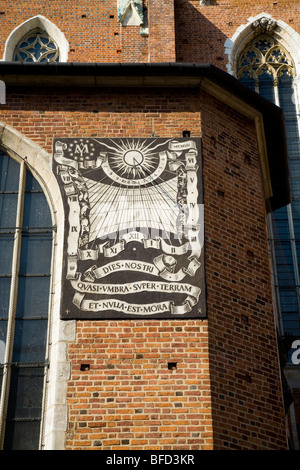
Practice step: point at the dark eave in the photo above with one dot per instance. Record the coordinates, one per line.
(165, 75)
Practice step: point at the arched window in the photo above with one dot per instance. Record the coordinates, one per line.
(25, 253)
(265, 66)
(36, 46)
(36, 40)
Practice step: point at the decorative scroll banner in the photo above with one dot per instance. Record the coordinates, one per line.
(134, 227)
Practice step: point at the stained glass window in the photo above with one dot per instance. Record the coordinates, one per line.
(36, 46)
(262, 63)
(25, 250)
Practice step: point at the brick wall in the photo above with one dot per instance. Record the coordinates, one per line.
(131, 398)
(179, 30)
(201, 31)
(93, 31)
(224, 391)
(247, 407)
(161, 31)
(91, 28)
(41, 115)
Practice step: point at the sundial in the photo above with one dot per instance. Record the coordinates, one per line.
(134, 227)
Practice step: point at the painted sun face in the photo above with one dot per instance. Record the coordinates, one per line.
(133, 162)
(133, 159)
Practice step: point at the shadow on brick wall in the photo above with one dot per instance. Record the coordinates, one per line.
(197, 38)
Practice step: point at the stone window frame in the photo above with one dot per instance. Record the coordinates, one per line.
(41, 23)
(289, 39)
(55, 412)
(285, 35)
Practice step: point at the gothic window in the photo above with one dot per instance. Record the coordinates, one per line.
(263, 64)
(266, 67)
(36, 46)
(25, 251)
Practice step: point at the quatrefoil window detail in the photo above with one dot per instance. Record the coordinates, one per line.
(264, 55)
(36, 46)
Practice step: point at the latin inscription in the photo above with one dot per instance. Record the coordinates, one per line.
(134, 227)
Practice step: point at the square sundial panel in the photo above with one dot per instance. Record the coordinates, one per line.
(134, 232)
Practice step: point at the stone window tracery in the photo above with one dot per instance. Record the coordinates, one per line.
(36, 46)
(264, 57)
